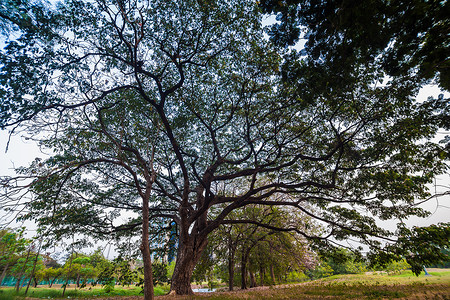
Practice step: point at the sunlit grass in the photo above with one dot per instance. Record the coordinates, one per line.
(355, 286)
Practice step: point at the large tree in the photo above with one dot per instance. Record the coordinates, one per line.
(12, 247)
(178, 110)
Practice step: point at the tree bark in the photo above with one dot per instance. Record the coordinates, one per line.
(272, 274)
(68, 273)
(18, 283)
(243, 272)
(262, 274)
(145, 250)
(34, 268)
(230, 271)
(4, 272)
(231, 256)
(252, 280)
(52, 281)
(189, 252)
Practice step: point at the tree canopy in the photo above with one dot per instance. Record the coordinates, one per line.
(183, 111)
(405, 38)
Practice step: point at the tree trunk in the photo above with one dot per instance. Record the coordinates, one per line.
(231, 254)
(189, 252)
(261, 275)
(34, 268)
(272, 274)
(68, 273)
(243, 272)
(252, 280)
(244, 261)
(4, 272)
(19, 282)
(231, 272)
(145, 250)
(17, 286)
(23, 270)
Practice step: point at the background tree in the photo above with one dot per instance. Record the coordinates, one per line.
(170, 102)
(204, 269)
(267, 247)
(12, 247)
(251, 239)
(278, 256)
(49, 261)
(49, 274)
(159, 273)
(36, 267)
(84, 270)
(106, 276)
(24, 271)
(446, 262)
(343, 261)
(125, 274)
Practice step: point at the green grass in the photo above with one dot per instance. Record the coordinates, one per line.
(6, 294)
(94, 292)
(441, 274)
(359, 286)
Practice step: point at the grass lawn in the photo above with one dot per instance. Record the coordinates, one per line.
(71, 292)
(360, 286)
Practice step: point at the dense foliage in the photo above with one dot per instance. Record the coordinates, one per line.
(405, 38)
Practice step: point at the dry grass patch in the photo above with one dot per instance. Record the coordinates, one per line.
(364, 286)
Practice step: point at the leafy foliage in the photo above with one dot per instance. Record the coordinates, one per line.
(403, 37)
(342, 261)
(251, 239)
(431, 238)
(106, 276)
(159, 273)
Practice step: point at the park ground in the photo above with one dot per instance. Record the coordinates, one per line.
(360, 286)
